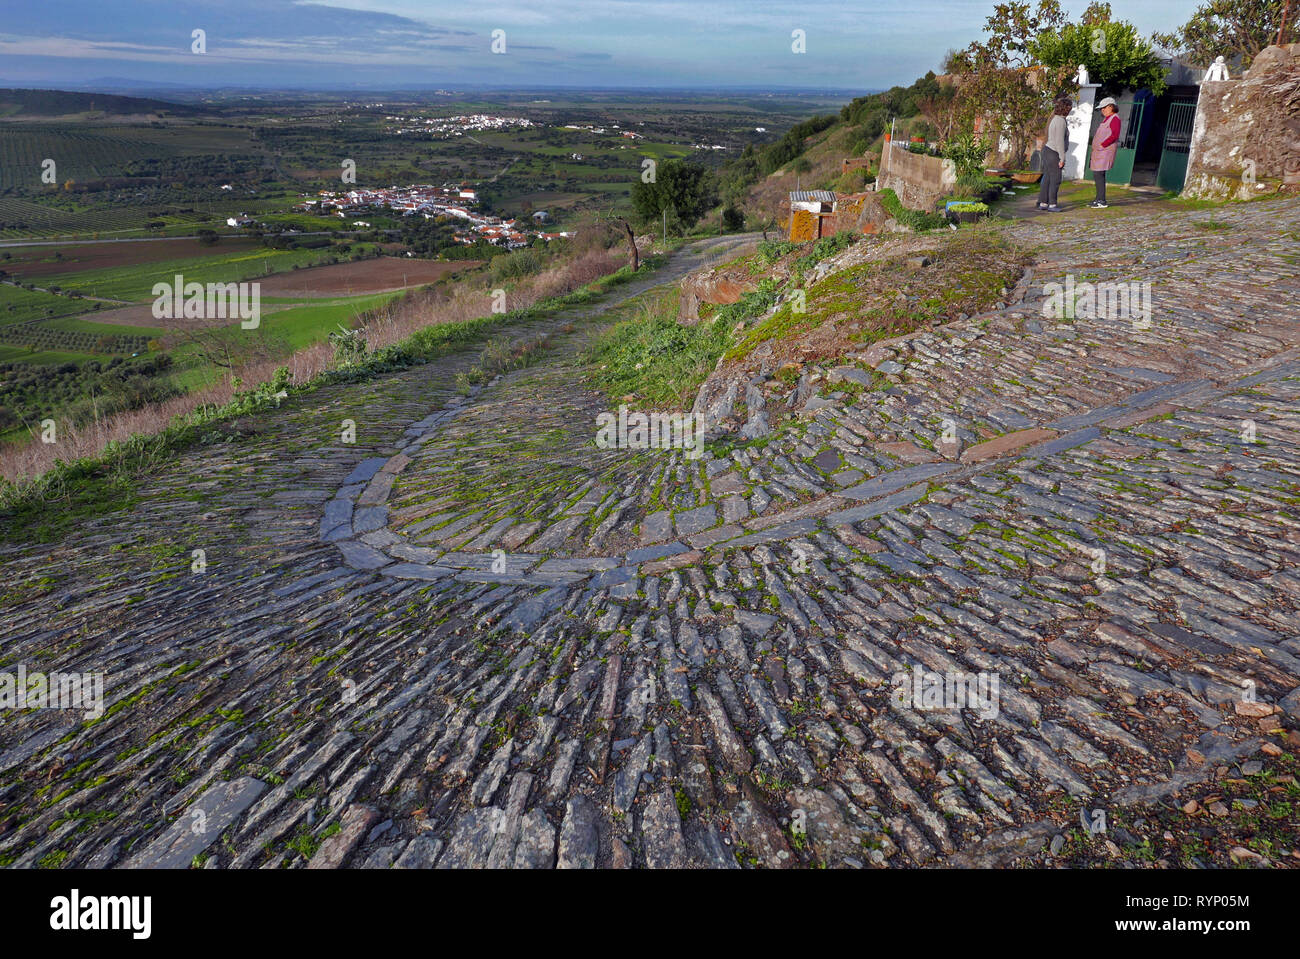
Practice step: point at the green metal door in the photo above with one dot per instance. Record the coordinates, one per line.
(1178, 144)
(1122, 171)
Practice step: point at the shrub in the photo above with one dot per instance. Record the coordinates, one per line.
(967, 152)
(972, 183)
(512, 266)
(918, 220)
(826, 246)
(349, 346)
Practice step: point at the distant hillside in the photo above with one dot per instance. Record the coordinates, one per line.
(58, 103)
(811, 154)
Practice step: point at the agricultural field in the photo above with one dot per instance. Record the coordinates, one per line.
(23, 306)
(79, 154)
(164, 174)
(115, 284)
(364, 276)
(38, 262)
(283, 330)
(133, 283)
(69, 334)
(136, 181)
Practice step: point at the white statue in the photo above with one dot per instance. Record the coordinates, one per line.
(1082, 76)
(1218, 71)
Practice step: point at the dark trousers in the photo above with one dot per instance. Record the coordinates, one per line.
(1100, 177)
(1050, 185)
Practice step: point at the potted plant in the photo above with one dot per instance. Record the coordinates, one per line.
(966, 211)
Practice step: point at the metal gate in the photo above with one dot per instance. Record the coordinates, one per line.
(1122, 170)
(1178, 144)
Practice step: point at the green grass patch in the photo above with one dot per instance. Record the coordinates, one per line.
(134, 283)
(654, 357)
(20, 306)
(918, 220)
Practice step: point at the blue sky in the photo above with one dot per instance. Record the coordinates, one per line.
(379, 44)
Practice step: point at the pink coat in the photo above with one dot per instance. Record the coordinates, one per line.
(1105, 143)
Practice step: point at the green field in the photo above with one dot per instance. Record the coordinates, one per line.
(135, 283)
(39, 328)
(20, 306)
(279, 334)
(301, 326)
(70, 334)
(22, 354)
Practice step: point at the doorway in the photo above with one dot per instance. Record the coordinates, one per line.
(1156, 139)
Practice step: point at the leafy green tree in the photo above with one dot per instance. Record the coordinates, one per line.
(1115, 55)
(1233, 29)
(684, 190)
(1001, 77)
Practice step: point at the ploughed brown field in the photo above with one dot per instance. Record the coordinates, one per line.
(365, 276)
(36, 261)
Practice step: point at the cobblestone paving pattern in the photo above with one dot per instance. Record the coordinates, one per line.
(473, 639)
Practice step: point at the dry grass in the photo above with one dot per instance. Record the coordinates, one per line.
(395, 322)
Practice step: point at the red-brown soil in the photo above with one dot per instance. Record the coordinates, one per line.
(364, 276)
(35, 261)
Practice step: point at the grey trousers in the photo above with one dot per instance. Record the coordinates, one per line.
(1099, 177)
(1050, 185)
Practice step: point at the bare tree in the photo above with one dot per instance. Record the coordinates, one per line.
(631, 237)
(227, 350)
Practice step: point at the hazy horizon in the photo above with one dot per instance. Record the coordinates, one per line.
(391, 45)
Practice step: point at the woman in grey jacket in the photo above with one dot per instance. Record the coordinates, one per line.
(1053, 155)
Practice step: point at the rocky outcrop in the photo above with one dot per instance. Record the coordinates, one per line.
(861, 213)
(1246, 141)
(720, 286)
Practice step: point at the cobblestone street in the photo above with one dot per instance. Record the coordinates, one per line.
(472, 638)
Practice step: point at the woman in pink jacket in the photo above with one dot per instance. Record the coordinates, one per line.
(1105, 144)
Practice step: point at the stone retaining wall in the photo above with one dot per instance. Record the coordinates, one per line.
(1246, 141)
(919, 180)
